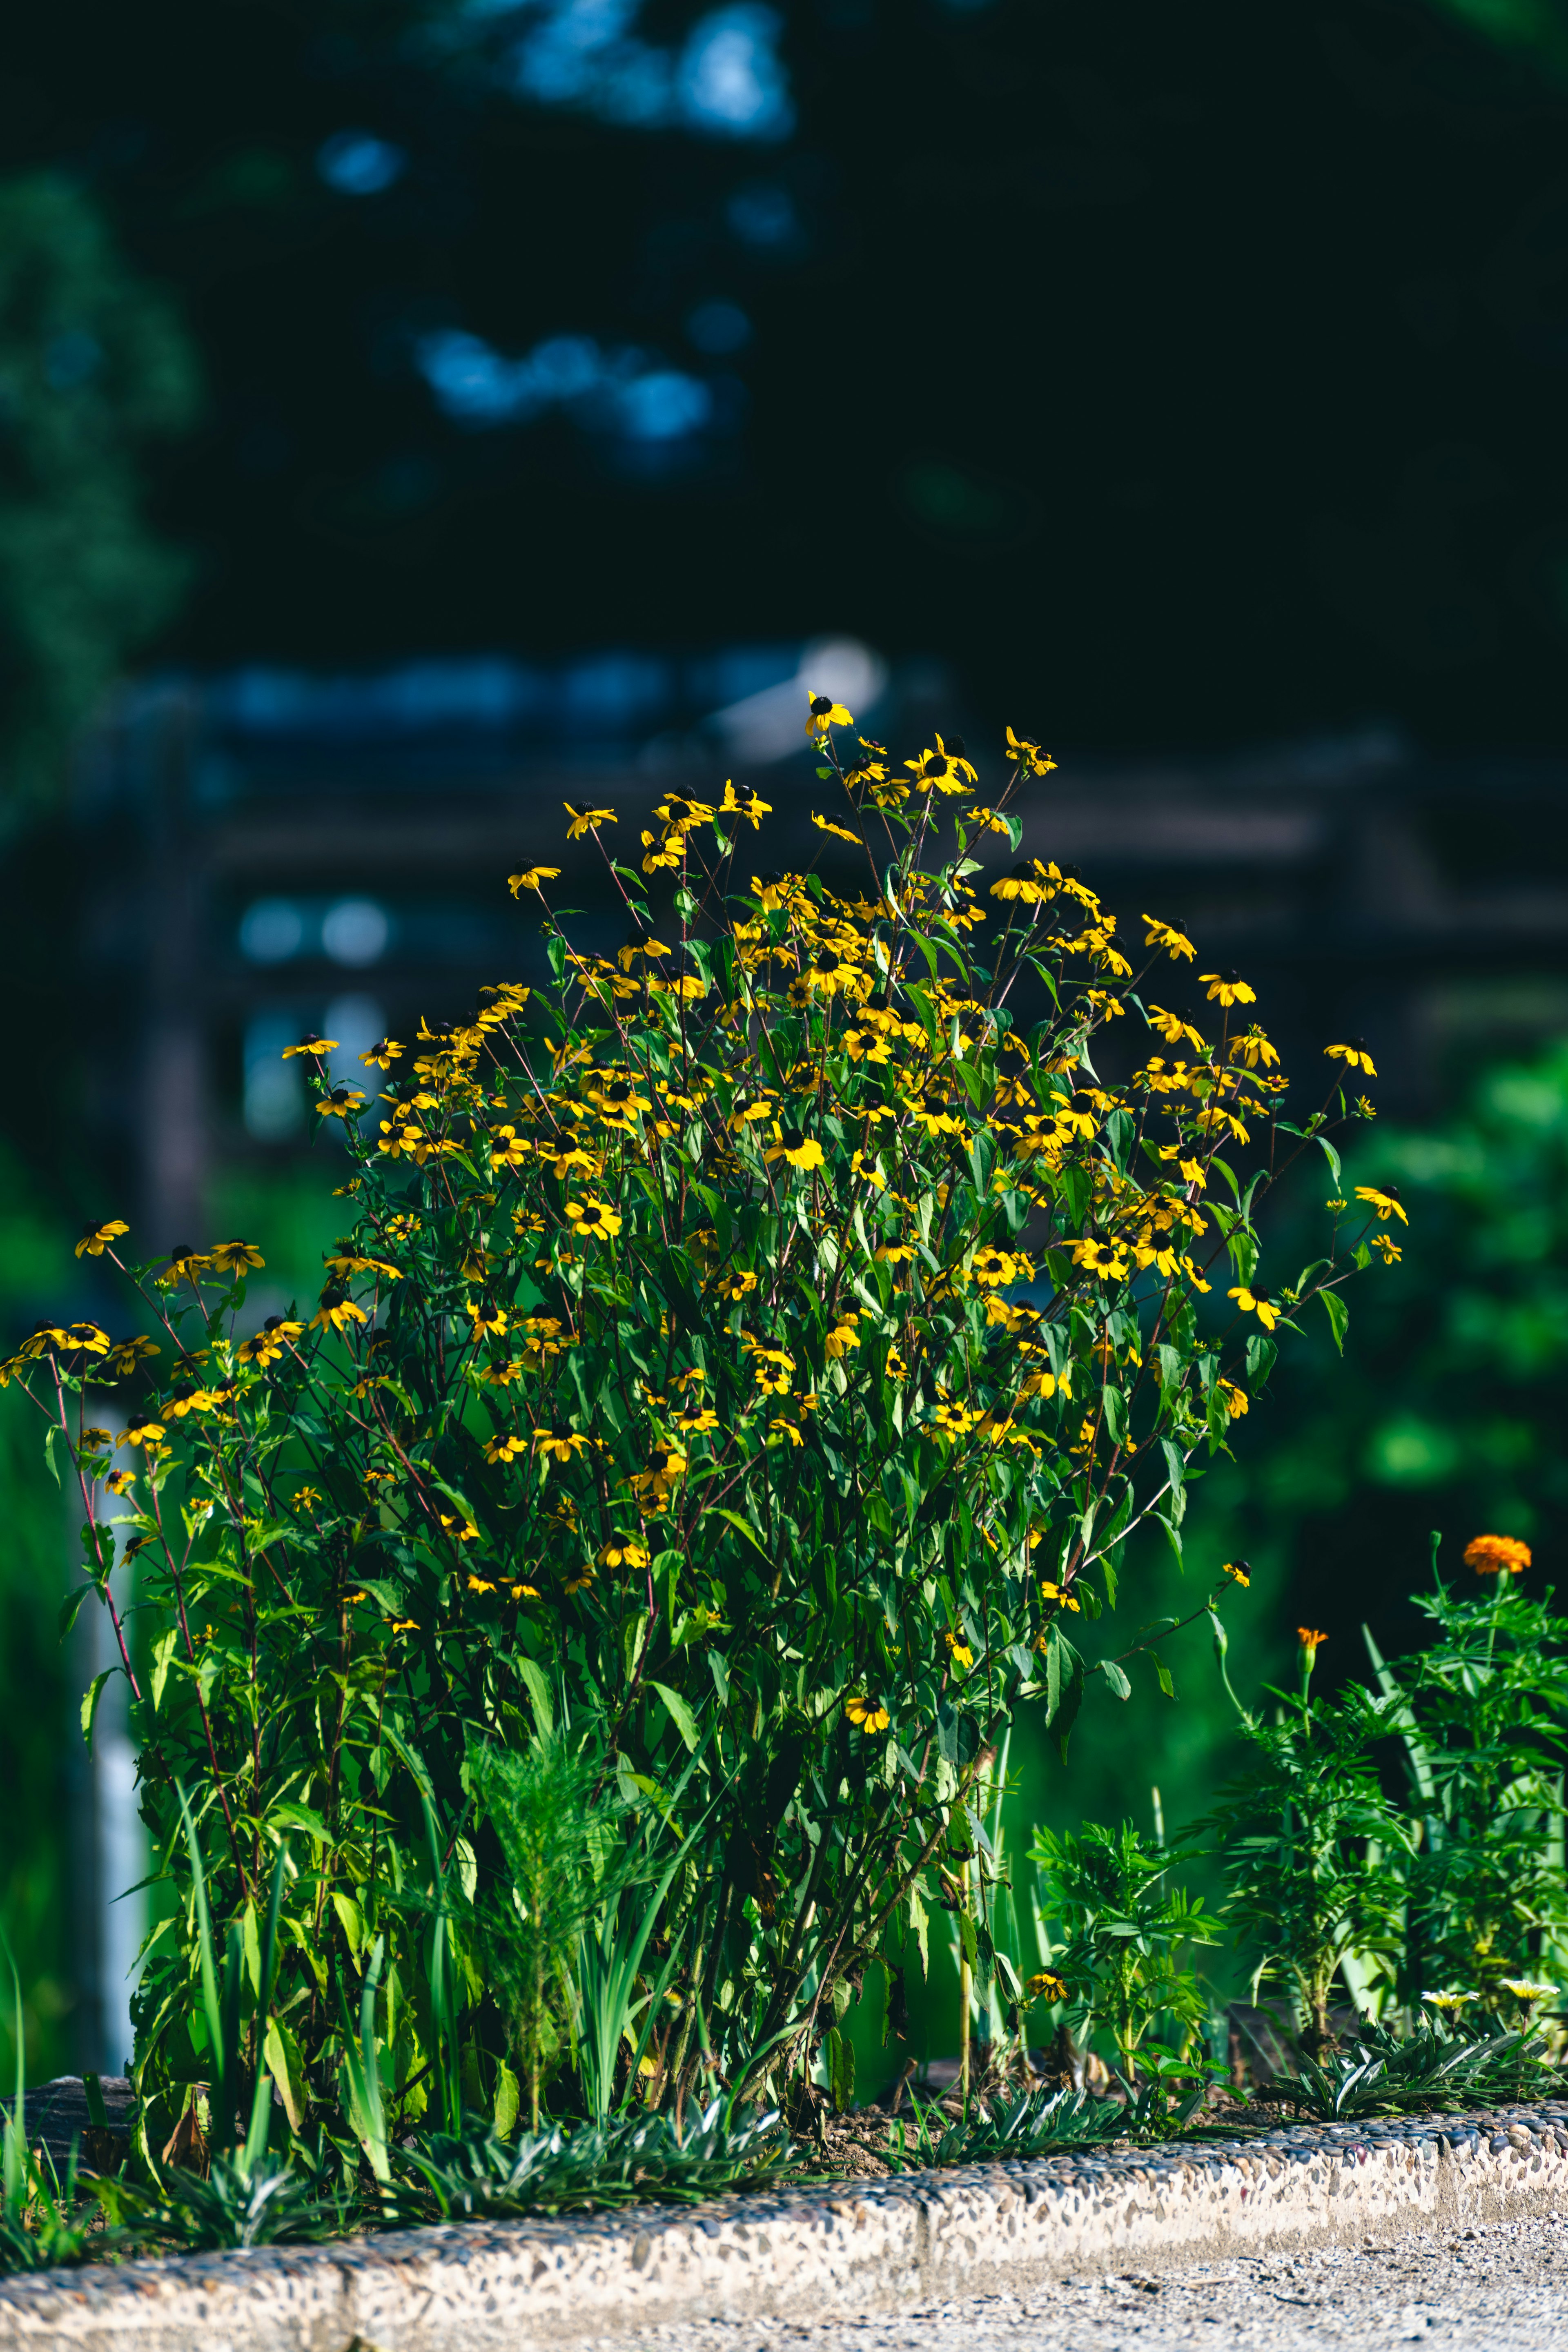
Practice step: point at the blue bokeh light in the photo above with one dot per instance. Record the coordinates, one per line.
(358, 164)
(718, 328)
(620, 390)
(725, 81)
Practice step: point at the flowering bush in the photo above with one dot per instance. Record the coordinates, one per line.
(744, 1360)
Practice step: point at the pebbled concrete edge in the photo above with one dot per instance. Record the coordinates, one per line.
(874, 2247)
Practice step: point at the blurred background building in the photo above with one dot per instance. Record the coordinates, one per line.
(417, 413)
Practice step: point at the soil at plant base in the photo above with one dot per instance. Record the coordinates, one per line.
(1500, 2288)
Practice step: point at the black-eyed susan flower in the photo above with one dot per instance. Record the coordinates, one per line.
(1239, 1570)
(1235, 1401)
(337, 1313)
(559, 1445)
(119, 1482)
(592, 1220)
(533, 877)
(782, 1427)
(343, 1102)
(795, 1147)
(1045, 1985)
(1061, 1596)
(868, 1714)
(841, 832)
(992, 1268)
(507, 1446)
(265, 1346)
(623, 1551)
(140, 1433)
(237, 1256)
(1384, 1199)
(126, 1354)
(1029, 882)
(313, 1047)
(478, 1584)
(1172, 937)
(825, 713)
(1028, 754)
(585, 820)
(381, 1054)
(1228, 987)
(1496, 1555)
(1354, 1055)
(1250, 1301)
(460, 1530)
(945, 770)
(97, 1238)
(697, 1424)
(960, 1654)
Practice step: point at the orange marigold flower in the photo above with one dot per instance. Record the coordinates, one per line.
(1496, 1556)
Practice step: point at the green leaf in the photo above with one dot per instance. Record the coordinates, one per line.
(538, 1690)
(1339, 1316)
(1332, 1157)
(352, 1919)
(56, 1454)
(508, 2102)
(1163, 1675)
(162, 1657)
(1116, 1678)
(71, 1608)
(291, 1816)
(285, 2064)
(89, 1704)
(680, 1715)
(840, 2056)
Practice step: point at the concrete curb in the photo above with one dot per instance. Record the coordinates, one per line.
(868, 2246)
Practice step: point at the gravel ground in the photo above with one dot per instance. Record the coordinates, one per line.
(1500, 2288)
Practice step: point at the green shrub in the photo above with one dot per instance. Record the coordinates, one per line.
(742, 1364)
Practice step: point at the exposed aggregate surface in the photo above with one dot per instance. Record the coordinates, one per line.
(1503, 2287)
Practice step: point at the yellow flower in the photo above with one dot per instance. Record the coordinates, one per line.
(826, 713)
(1228, 987)
(1060, 1595)
(1239, 1570)
(623, 1551)
(1256, 1302)
(959, 1652)
(119, 1482)
(1235, 1401)
(505, 1447)
(953, 1420)
(1311, 1643)
(1392, 1253)
(460, 1530)
(1029, 882)
(735, 1285)
(592, 1220)
(894, 1253)
(533, 877)
(782, 1428)
(403, 1625)
(800, 1149)
(140, 1433)
(1355, 1054)
(341, 1103)
(381, 1054)
(842, 831)
(585, 820)
(237, 1256)
(337, 1313)
(312, 1047)
(1173, 1027)
(697, 1424)
(1029, 755)
(842, 1337)
(480, 1584)
(869, 1713)
(306, 1498)
(946, 769)
(1045, 1985)
(774, 1369)
(265, 1346)
(1384, 1199)
(987, 819)
(1524, 1990)
(486, 1318)
(97, 1238)
(1168, 936)
(560, 1443)
(1496, 1555)
(992, 1267)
